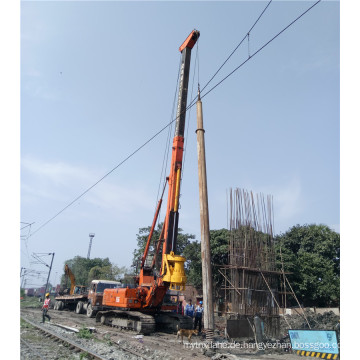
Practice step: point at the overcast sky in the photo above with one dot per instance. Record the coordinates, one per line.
(98, 80)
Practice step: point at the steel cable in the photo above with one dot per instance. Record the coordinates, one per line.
(169, 124)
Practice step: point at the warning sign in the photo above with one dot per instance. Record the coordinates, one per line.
(322, 344)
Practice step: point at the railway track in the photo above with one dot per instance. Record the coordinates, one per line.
(72, 346)
(33, 351)
(116, 343)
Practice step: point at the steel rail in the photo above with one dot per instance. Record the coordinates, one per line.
(32, 349)
(63, 339)
(77, 346)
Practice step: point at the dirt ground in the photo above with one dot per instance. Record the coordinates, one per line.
(326, 321)
(113, 343)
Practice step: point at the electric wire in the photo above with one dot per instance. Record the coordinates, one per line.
(168, 139)
(171, 122)
(260, 49)
(162, 180)
(28, 224)
(103, 177)
(198, 57)
(25, 238)
(189, 116)
(167, 148)
(232, 53)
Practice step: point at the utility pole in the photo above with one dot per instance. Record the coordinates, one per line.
(91, 235)
(205, 228)
(20, 277)
(41, 261)
(47, 281)
(24, 272)
(23, 279)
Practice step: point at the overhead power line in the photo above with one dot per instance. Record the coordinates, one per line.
(261, 48)
(189, 107)
(232, 53)
(106, 175)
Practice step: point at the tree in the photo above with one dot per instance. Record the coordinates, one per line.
(312, 254)
(111, 272)
(85, 270)
(193, 269)
(219, 245)
(183, 240)
(49, 286)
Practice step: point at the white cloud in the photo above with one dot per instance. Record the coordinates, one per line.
(60, 181)
(59, 173)
(34, 88)
(34, 73)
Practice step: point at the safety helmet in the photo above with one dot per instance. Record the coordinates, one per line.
(47, 294)
(200, 302)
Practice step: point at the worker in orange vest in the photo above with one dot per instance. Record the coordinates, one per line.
(45, 307)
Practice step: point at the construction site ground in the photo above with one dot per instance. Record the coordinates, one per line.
(112, 343)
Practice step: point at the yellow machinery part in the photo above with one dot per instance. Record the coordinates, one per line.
(174, 272)
(177, 190)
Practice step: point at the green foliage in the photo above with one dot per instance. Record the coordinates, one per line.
(191, 250)
(183, 240)
(85, 333)
(85, 270)
(107, 339)
(141, 239)
(25, 325)
(31, 302)
(312, 254)
(22, 292)
(193, 268)
(84, 355)
(219, 243)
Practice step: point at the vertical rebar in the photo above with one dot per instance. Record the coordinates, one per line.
(251, 251)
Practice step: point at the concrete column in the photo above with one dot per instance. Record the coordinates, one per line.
(205, 231)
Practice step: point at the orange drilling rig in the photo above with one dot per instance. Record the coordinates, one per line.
(139, 308)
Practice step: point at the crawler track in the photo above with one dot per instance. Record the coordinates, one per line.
(144, 323)
(172, 322)
(130, 320)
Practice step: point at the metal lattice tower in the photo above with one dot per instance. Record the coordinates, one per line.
(91, 236)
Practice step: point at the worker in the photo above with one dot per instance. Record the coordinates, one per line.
(189, 309)
(179, 309)
(198, 316)
(45, 308)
